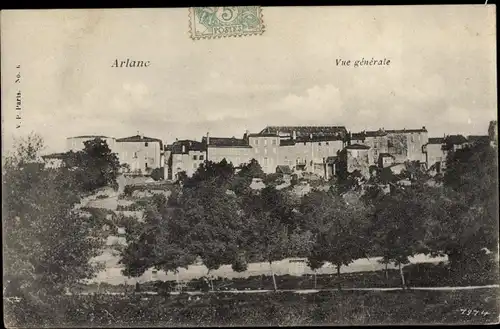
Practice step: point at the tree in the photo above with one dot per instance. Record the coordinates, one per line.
(47, 245)
(338, 228)
(397, 226)
(221, 173)
(96, 166)
(215, 219)
(465, 218)
(157, 174)
(243, 179)
(158, 243)
(270, 239)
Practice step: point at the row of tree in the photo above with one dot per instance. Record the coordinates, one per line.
(217, 217)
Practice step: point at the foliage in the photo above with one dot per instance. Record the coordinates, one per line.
(96, 166)
(158, 174)
(467, 210)
(47, 245)
(221, 173)
(243, 179)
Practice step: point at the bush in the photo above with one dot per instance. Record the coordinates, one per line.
(158, 174)
(334, 308)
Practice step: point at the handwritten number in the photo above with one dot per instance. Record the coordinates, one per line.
(468, 312)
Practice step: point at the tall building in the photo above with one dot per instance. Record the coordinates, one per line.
(184, 156)
(234, 150)
(435, 154)
(142, 154)
(402, 144)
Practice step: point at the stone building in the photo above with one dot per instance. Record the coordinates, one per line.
(356, 157)
(402, 144)
(184, 156)
(235, 150)
(302, 148)
(435, 154)
(142, 154)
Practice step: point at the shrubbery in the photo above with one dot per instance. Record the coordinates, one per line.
(333, 308)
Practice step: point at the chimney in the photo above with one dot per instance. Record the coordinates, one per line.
(183, 148)
(208, 139)
(177, 139)
(294, 135)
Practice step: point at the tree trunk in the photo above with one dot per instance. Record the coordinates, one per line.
(210, 283)
(339, 285)
(315, 279)
(402, 276)
(457, 261)
(274, 278)
(386, 272)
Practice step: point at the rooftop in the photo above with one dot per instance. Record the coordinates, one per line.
(305, 130)
(89, 136)
(357, 147)
(283, 169)
(383, 132)
(139, 139)
(479, 139)
(189, 145)
(386, 155)
(225, 142)
(436, 140)
(455, 139)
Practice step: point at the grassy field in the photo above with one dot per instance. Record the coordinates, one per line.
(323, 308)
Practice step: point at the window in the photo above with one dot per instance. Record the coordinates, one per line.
(265, 161)
(265, 142)
(274, 150)
(135, 155)
(195, 157)
(194, 166)
(201, 157)
(256, 151)
(327, 143)
(146, 144)
(265, 151)
(256, 142)
(146, 165)
(274, 142)
(304, 143)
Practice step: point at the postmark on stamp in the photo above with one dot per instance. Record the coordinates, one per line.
(220, 22)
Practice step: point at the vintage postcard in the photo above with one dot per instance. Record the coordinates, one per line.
(250, 166)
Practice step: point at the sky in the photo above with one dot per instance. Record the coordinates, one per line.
(442, 72)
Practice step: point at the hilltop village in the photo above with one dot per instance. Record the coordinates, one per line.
(318, 151)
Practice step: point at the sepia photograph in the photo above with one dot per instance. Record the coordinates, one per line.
(250, 166)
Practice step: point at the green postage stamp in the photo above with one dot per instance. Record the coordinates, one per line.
(220, 22)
